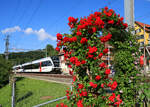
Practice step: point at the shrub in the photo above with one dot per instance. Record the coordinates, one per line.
(5, 68)
(84, 49)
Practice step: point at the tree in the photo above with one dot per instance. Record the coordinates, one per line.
(23, 57)
(50, 50)
(5, 69)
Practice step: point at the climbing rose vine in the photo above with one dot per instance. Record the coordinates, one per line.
(84, 49)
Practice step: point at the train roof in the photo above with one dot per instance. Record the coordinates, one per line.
(36, 61)
(16, 66)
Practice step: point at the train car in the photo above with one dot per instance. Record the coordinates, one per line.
(17, 68)
(41, 65)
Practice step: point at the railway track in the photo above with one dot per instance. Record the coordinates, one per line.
(44, 75)
(59, 78)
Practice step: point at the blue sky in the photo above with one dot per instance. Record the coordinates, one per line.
(32, 24)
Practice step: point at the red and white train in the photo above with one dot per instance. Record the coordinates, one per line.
(47, 64)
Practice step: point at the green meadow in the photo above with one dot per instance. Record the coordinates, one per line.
(30, 92)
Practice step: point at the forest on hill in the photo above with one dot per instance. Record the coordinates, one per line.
(22, 57)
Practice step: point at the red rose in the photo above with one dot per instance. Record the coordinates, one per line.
(59, 36)
(62, 104)
(105, 50)
(107, 71)
(125, 25)
(93, 85)
(97, 77)
(112, 98)
(109, 14)
(109, 85)
(99, 22)
(74, 78)
(73, 39)
(59, 43)
(78, 33)
(84, 93)
(119, 100)
(71, 25)
(90, 56)
(79, 103)
(70, 72)
(121, 19)
(97, 13)
(94, 29)
(77, 63)
(118, 97)
(66, 39)
(111, 22)
(68, 97)
(69, 66)
(106, 38)
(83, 40)
(118, 103)
(102, 65)
(106, 8)
(114, 85)
(83, 62)
(111, 10)
(80, 86)
(73, 60)
(72, 20)
(92, 49)
(66, 55)
(57, 49)
(80, 27)
(100, 55)
(102, 85)
(80, 94)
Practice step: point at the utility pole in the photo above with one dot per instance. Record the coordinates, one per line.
(144, 52)
(129, 12)
(7, 47)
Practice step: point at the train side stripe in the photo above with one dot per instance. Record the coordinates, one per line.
(40, 67)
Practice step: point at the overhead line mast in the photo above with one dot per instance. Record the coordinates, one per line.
(7, 47)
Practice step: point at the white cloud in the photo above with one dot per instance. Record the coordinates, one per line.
(28, 31)
(11, 30)
(42, 34)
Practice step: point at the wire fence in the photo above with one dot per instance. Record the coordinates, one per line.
(31, 93)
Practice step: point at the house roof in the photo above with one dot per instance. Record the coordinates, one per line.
(147, 27)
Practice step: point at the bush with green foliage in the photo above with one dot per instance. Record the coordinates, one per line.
(84, 49)
(5, 69)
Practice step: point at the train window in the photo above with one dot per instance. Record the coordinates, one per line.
(35, 66)
(46, 63)
(49, 63)
(27, 67)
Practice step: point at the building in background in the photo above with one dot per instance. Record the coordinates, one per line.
(139, 31)
(63, 63)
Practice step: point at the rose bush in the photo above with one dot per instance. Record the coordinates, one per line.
(84, 49)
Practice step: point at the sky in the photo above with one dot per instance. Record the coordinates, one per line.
(32, 24)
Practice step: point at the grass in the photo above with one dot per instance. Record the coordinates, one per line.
(31, 92)
(5, 96)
